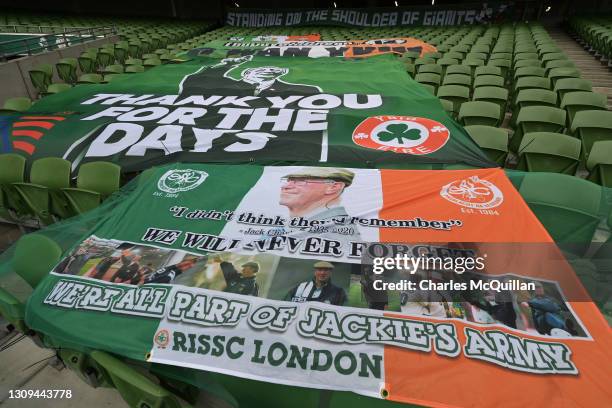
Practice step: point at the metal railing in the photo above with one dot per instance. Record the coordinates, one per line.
(30, 44)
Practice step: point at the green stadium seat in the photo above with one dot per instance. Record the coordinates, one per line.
(574, 102)
(41, 76)
(503, 64)
(429, 88)
(95, 182)
(105, 57)
(444, 62)
(113, 69)
(12, 170)
(122, 53)
(113, 77)
(567, 206)
(493, 141)
(90, 79)
(430, 69)
(410, 69)
(14, 105)
(564, 63)
(41, 197)
(599, 163)
(537, 119)
(592, 126)
(132, 69)
(457, 79)
(423, 61)
(87, 63)
(479, 113)
(32, 269)
(556, 74)
(488, 70)
(488, 80)
(529, 71)
(57, 88)
(67, 70)
(169, 57)
(531, 83)
(493, 94)
(428, 79)
(448, 106)
(526, 63)
(549, 152)
(458, 69)
(563, 86)
(454, 55)
(456, 94)
(553, 56)
(135, 388)
(133, 61)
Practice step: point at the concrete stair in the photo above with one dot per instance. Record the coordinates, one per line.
(590, 67)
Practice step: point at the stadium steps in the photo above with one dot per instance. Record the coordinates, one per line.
(591, 68)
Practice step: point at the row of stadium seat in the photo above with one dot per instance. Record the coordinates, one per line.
(595, 34)
(48, 195)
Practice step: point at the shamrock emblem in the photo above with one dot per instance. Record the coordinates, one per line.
(399, 132)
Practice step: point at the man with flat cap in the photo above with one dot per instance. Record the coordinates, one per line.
(314, 193)
(243, 282)
(320, 288)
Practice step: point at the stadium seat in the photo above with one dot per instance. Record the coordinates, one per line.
(121, 53)
(41, 197)
(87, 63)
(549, 152)
(527, 63)
(458, 69)
(567, 206)
(537, 119)
(558, 64)
(12, 170)
(430, 69)
(113, 69)
(133, 61)
(41, 76)
(599, 163)
(563, 86)
(90, 79)
(456, 94)
(57, 88)
(493, 94)
(488, 80)
(135, 388)
(15, 105)
(105, 57)
(32, 269)
(488, 70)
(410, 69)
(503, 64)
(95, 182)
(493, 141)
(574, 102)
(448, 106)
(479, 113)
(67, 70)
(428, 79)
(531, 83)
(151, 62)
(457, 79)
(529, 71)
(556, 74)
(592, 126)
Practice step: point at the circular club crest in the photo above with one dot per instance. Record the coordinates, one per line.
(174, 181)
(162, 338)
(401, 134)
(473, 193)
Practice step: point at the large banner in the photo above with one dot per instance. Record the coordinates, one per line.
(272, 273)
(251, 109)
(237, 47)
(477, 13)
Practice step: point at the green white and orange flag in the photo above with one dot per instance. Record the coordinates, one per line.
(262, 273)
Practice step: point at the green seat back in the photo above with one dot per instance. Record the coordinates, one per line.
(101, 177)
(457, 79)
(537, 119)
(479, 113)
(567, 206)
(488, 70)
(51, 172)
(35, 255)
(90, 79)
(549, 152)
(492, 140)
(458, 69)
(592, 126)
(57, 88)
(488, 80)
(531, 83)
(430, 68)
(20, 104)
(12, 168)
(456, 94)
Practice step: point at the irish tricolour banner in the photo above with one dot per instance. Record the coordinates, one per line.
(251, 109)
(275, 274)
